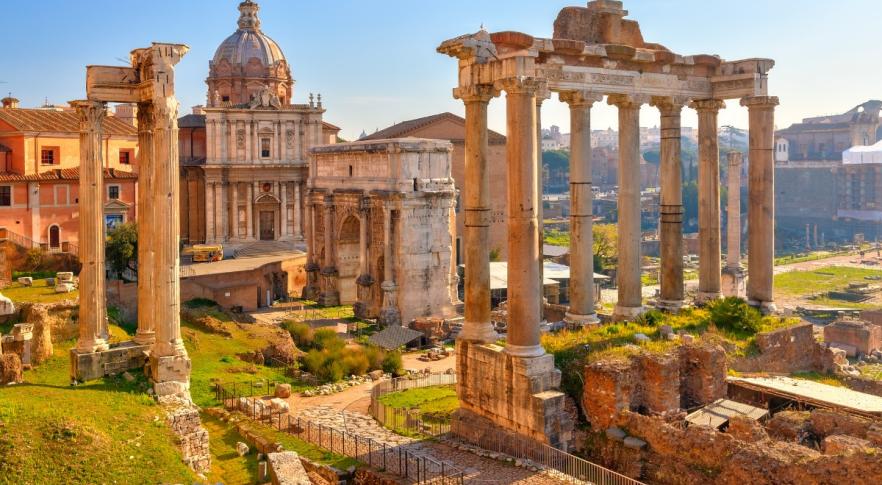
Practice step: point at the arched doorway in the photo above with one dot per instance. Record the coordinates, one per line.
(54, 237)
(348, 259)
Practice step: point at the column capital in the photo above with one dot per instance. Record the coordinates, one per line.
(521, 85)
(579, 98)
(759, 102)
(669, 104)
(476, 93)
(707, 104)
(145, 116)
(91, 113)
(626, 101)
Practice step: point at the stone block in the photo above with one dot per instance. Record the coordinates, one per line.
(65, 276)
(634, 443)
(170, 374)
(115, 360)
(839, 444)
(64, 288)
(641, 338)
(10, 369)
(26, 281)
(241, 449)
(7, 307)
(283, 391)
(615, 433)
(286, 469)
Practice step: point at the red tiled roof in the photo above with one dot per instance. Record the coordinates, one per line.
(329, 126)
(59, 121)
(63, 174)
(406, 128)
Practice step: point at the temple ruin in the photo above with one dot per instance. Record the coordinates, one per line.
(594, 52)
(149, 82)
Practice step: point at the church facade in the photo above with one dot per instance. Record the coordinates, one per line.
(244, 155)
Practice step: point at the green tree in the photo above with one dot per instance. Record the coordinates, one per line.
(556, 160)
(121, 249)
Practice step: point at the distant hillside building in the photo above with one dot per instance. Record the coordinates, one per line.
(814, 187)
(39, 174)
(450, 127)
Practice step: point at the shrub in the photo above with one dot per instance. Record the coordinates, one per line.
(327, 339)
(301, 333)
(392, 363)
(355, 362)
(375, 357)
(200, 303)
(651, 318)
(733, 313)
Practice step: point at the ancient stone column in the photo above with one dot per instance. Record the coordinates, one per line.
(541, 96)
(671, 210)
(146, 333)
(284, 223)
(365, 281)
(389, 314)
(476, 207)
(761, 200)
(330, 295)
(709, 250)
(249, 210)
(298, 232)
(169, 363)
(93, 304)
(234, 219)
(733, 273)
(524, 312)
(581, 311)
(222, 211)
(630, 301)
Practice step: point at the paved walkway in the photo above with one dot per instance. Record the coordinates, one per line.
(477, 469)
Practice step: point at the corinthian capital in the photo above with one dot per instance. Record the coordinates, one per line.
(90, 113)
(145, 116)
(165, 113)
(760, 102)
(521, 85)
(476, 93)
(579, 98)
(707, 105)
(669, 104)
(627, 101)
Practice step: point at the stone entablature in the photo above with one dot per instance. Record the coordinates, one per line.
(381, 219)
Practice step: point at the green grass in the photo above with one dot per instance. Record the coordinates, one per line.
(38, 293)
(819, 377)
(803, 257)
(872, 371)
(649, 279)
(432, 399)
(105, 431)
(797, 283)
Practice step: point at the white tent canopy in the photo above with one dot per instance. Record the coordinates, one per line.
(857, 155)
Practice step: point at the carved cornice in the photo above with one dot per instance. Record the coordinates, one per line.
(580, 98)
(476, 93)
(627, 101)
(527, 85)
(760, 102)
(705, 105)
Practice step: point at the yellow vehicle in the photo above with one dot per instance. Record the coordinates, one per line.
(205, 253)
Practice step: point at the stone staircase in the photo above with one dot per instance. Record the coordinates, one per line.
(261, 249)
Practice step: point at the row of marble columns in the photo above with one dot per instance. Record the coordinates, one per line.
(158, 230)
(524, 201)
(223, 224)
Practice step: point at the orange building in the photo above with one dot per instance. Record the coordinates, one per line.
(39, 174)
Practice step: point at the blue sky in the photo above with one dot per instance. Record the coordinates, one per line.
(374, 61)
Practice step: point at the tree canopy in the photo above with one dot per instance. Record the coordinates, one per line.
(121, 250)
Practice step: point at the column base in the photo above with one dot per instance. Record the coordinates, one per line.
(99, 345)
(622, 312)
(87, 366)
(478, 332)
(766, 307)
(144, 338)
(671, 306)
(525, 351)
(170, 375)
(705, 297)
(575, 320)
(389, 316)
(329, 298)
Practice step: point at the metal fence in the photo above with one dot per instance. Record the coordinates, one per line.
(570, 467)
(396, 460)
(410, 421)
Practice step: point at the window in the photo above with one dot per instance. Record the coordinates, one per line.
(125, 157)
(113, 192)
(47, 156)
(264, 148)
(225, 98)
(5, 195)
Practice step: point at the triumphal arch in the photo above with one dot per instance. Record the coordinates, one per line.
(594, 52)
(149, 82)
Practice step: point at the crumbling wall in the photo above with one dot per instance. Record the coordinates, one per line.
(791, 349)
(183, 418)
(700, 455)
(654, 383)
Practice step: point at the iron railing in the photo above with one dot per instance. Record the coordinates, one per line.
(571, 468)
(397, 460)
(410, 421)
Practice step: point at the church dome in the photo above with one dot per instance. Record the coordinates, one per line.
(246, 62)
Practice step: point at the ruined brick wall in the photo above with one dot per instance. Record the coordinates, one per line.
(864, 337)
(192, 437)
(702, 374)
(788, 350)
(653, 383)
(700, 455)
